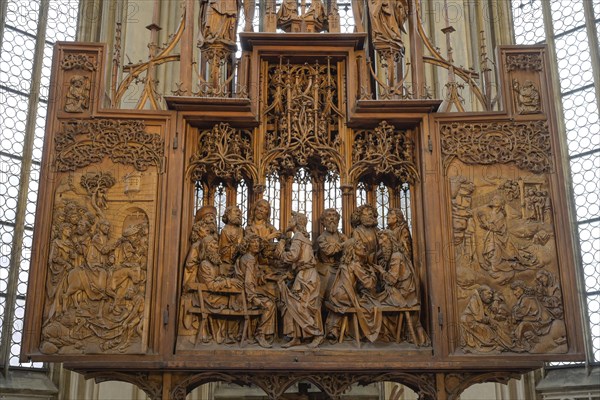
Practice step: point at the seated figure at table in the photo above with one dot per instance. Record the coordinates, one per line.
(215, 297)
(400, 284)
(353, 288)
(254, 280)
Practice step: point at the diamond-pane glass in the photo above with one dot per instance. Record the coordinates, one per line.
(242, 200)
(382, 197)
(302, 191)
(272, 195)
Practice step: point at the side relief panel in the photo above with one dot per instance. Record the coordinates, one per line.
(104, 219)
(508, 295)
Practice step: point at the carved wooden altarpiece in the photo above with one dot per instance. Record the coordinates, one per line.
(133, 278)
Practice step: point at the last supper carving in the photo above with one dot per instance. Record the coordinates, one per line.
(306, 209)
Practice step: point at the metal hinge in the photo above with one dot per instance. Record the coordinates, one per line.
(166, 316)
(176, 141)
(440, 317)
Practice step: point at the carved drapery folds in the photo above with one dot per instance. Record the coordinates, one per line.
(223, 153)
(384, 154)
(527, 144)
(503, 234)
(84, 142)
(302, 116)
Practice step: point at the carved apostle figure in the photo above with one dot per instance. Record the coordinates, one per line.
(364, 222)
(287, 12)
(61, 262)
(316, 13)
(218, 21)
(483, 329)
(301, 305)
(231, 237)
(209, 274)
(532, 318)
(387, 19)
(188, 323)
(398, 225)
(354, 287)
(205, 222)
(400, 284)
(329, 248)
(254, 284)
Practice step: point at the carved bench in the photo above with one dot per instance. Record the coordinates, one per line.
(205, 315)
(350, 312)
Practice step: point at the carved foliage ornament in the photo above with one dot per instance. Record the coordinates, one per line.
(527, 144)
(83, 142)
(78, 61)
(223, 152)
(531, 62)
(386, 151)
(302, 115)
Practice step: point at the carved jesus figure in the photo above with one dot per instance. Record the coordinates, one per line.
(231, 236)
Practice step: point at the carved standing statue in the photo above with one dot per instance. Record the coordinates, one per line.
(218, 22)
(301, 309)
(329, 248)
(387, 19)
(288, 12)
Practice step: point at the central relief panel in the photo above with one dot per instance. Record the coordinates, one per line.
(300, 231)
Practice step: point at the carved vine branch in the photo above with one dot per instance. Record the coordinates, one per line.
(223, 153)
(527, 144)
(386, 152)
(84, 142)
